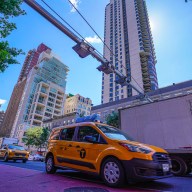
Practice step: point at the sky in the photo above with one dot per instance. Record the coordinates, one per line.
(171, 23)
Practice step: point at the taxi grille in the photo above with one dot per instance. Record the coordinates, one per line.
(20, 154)
(161, 157)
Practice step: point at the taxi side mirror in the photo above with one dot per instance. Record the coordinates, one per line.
(90, 139)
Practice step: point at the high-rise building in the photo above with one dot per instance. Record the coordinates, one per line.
(129, 48)
(78, 104)
(44, 94)
(30, 61)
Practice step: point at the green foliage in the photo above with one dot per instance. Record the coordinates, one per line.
(36, 136)
(113, 119)
(7, 55)
(8, 9)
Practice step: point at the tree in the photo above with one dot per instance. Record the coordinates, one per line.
(8, 9)
(36, 136)
(113, 119)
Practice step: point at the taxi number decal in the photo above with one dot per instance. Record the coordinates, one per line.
(82, 153)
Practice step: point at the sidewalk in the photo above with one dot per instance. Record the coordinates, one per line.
(15, 179)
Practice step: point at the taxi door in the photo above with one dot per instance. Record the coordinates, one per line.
(65, 148)
(86, 153)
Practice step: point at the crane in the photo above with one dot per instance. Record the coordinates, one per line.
(84, 49)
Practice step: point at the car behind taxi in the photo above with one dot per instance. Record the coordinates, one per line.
(14, 152)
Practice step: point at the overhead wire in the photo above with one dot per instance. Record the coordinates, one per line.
(102, 40)
(83, 37)
(70, 26)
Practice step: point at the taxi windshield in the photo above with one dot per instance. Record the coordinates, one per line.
(114, 133)
(16, 147)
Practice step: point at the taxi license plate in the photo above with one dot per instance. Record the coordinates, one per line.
(165, 167)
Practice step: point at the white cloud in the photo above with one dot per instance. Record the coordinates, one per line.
(2, 101)
(75, 3)
(94, 39)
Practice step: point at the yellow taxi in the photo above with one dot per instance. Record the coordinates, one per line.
(14, 152)
(104, 150)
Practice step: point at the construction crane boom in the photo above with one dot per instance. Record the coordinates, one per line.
(84, 49)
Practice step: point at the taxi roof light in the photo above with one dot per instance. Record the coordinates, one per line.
(90, 118)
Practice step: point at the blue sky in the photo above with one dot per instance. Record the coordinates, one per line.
(171, 28)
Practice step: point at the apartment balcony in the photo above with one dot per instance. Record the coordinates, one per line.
(58, 104)
(59, 99)
(52, 95)
(60, 93)
(48, 114)
(43, 91)
(57, 114)
(42, 104)
(36, 123)
(56, 109)
(39, 112)
(44, 94)
(44, 85)
(38, 118)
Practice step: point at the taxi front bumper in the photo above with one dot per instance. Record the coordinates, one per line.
(17, 157)
(143, 170)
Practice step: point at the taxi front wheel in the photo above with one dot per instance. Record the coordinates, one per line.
(5, 157)
(112, 172)
(50, 168)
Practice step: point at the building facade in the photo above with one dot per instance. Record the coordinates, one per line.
(129, 47)
(44, 93)
(78, 104)
(12, 108)
(2, 114)
(169, 92)
(63, 120)
(30, 61)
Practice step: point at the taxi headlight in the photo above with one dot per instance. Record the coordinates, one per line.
(135, 148)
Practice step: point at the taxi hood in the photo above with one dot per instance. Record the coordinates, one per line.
(151, 147)
(19, 151)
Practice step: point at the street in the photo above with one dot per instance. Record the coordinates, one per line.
(31, 176)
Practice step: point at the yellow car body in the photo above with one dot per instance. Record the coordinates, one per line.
(14, 152)
(94, 147)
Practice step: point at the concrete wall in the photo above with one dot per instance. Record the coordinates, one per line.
(167, 124)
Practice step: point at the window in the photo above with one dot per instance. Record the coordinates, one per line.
(67, 134)
(88, 131)
(114, 133)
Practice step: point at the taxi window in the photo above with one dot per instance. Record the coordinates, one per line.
(16, 147)
(55, 134)
(87, 131)
(67, 134)
(114, 133)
